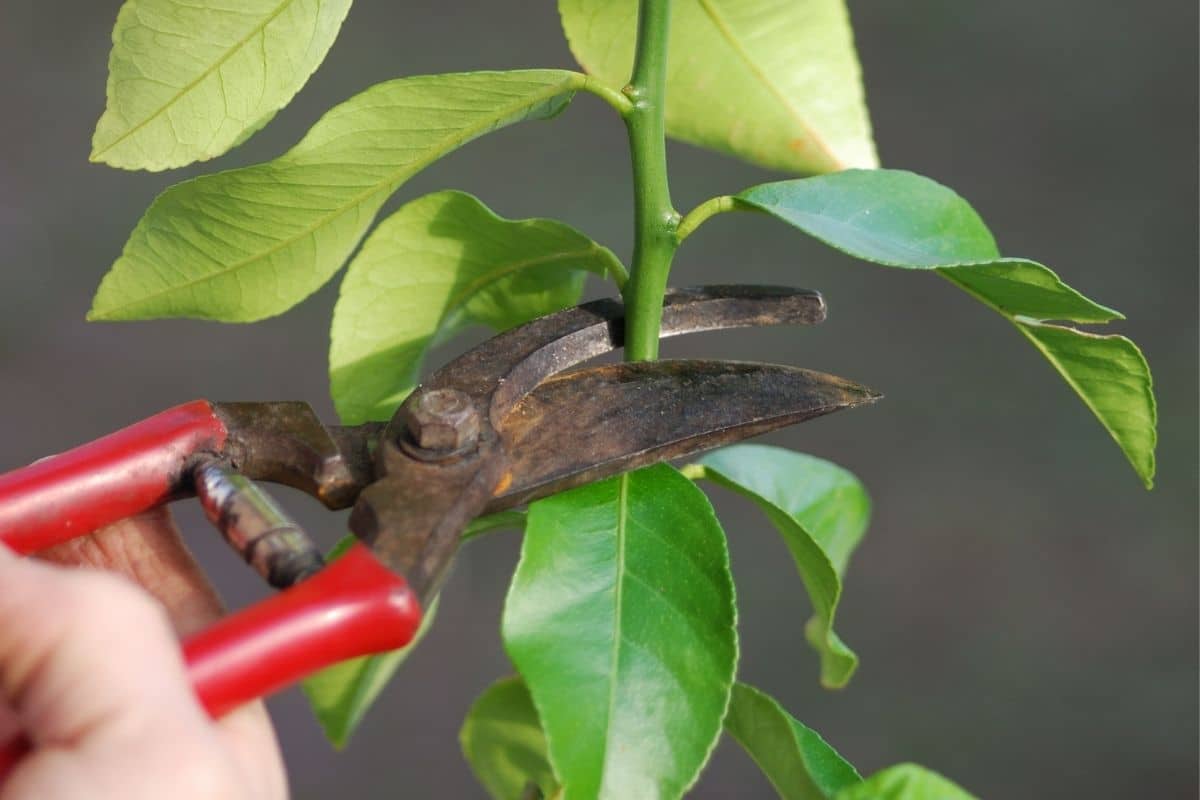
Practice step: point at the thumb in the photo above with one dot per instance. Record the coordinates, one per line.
(84, 650)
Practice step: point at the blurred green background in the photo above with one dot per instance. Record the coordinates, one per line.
(1025, 612)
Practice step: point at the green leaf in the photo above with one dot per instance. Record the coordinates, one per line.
(776, 82)
(899, 219)
(821, 510)
(340, 695)
(503, 742)
(249, 243)
(798, 762)
(621, 620)
(189, 81)
(440, 264)
(1111, 376)
(905, 782)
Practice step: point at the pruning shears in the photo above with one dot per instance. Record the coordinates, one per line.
(517, 418)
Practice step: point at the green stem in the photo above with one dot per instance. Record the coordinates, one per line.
(622, 104)
(655, 219)
(698, 215)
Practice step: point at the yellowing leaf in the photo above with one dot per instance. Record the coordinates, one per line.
(441, 263)
(776, 82)
(250, 243)
(188, 81)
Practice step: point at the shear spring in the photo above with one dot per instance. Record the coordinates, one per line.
(255, 526)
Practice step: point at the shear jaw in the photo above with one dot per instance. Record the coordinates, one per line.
(439, 471)
(511, 421)
(285, 442)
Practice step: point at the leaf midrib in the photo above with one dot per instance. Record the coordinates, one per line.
(361, 689)
(1020, 325)
(481, 282)
(1148, 476)
(618, 600)
(255, 31)
(569, 83)
(727, 33)
(832, 593)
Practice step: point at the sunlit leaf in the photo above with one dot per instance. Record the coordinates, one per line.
(250, 243)
(905, 782)
(442, 263)
(797, 761)
(188, 81)
(821, 510)
(620, 618)
(899, 219)
(776, 82)
(503, 742)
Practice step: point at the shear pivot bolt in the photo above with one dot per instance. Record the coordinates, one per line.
(442, 420)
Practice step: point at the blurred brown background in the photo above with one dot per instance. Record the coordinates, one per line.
(1025, 612)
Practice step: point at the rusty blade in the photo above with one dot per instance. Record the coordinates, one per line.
(578, 427)
(432, 477)
(502, 370)
(595, 422)
(495, 376)
(285, 442)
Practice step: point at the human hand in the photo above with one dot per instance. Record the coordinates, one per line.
(91, 673)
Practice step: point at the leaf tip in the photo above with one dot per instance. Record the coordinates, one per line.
(110, 159)
(104, 152)
(96, 156)
(102, 311)
(834, 679)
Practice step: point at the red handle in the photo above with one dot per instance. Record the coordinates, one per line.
(353, 607)
(76, 492)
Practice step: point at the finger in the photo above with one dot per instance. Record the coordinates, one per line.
(148, 550)
(90, 667)
(78, 649)
(250, 738)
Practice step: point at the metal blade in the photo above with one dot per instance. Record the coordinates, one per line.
(470, 434)
(502, 370)
(285, 442)
(594, 422)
